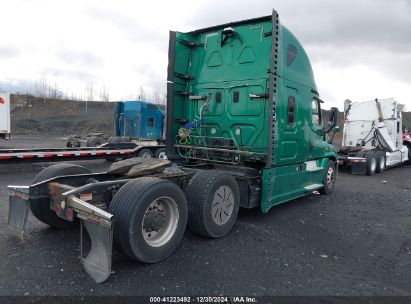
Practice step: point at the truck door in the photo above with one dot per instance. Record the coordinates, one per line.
(150, 123)
(291, 136)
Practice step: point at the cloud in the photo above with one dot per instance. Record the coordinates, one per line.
(130, 26)
(340, 33)
(386, 24)
(79, 58)
(71, 74)
(15, 85)
(9, 52)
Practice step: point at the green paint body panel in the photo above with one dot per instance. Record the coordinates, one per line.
(261, 57)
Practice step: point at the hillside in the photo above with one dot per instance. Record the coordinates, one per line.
(30, 115)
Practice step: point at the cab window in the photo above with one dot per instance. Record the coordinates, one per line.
(291, 107)
(316, 112)
(150, 122)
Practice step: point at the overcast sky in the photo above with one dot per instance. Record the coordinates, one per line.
(359, 49)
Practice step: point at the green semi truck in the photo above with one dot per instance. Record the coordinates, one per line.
(244, 129)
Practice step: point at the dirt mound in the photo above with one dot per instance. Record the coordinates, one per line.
(30, 115)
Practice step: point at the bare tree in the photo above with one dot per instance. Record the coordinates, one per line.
(156, 96)
(104, 94)
(142, 93)
(43, 86)
(163, 100)
(89, 93)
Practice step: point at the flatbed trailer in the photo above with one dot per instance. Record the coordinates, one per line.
(107, 151)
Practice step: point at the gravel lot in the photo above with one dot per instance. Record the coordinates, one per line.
(356, 241)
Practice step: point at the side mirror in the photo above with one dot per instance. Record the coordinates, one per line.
(333, 121)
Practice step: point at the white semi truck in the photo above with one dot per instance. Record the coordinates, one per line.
(4, 115)
(373, 137)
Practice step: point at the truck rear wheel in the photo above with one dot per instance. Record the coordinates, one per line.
(371, 163)
(117, 140)
(330, 176)
(94, 141)
(214, 200)
(160, 153)
(41, 209)
(150, 217)
(146, 153)
(381, 161)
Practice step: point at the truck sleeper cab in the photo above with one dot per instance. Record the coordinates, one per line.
(244, 129)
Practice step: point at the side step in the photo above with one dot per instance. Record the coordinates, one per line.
(311, 166)
(313, 187)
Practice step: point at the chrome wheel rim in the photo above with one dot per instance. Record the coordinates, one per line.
(330, 177)
(382, 162)
(146, 155)
(162, 155)
(373, 165)
(160, 221)
(222, 206)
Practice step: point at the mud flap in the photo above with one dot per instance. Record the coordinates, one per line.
(99, 225)
(18, 210)
(359, 168)
(98, 261)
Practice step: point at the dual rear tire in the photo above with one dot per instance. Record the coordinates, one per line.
(150, 218)
(151, 213)
(375, 161)
(214, 201)
(158, 153)
(41, 208)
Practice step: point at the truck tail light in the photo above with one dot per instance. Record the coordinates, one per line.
(69, 213)
(57, 209)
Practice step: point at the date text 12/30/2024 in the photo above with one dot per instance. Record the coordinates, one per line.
(203, 299)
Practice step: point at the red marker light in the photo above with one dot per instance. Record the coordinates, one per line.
(57, 209)
(69, 213)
